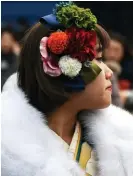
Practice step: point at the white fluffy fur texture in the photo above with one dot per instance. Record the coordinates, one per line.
(29, 147)
(111, 132)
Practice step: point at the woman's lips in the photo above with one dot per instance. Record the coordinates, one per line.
(109, 88)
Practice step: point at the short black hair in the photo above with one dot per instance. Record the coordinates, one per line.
(44, 92)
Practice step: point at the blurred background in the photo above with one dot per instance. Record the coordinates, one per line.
(116, 17)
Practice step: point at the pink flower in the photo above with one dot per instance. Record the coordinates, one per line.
(49, 66)
(43, 47)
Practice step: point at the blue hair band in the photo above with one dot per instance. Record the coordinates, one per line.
(51, 21)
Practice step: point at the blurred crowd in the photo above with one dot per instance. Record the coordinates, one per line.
(118, 56)
(10, 46)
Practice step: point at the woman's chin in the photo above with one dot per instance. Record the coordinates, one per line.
(107, 104)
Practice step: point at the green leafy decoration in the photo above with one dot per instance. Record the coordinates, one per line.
(70, 14)
(90, 73)
(59, 6)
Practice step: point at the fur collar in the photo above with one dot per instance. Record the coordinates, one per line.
(29, 147)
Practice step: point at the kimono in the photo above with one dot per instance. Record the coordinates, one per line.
(102, 143)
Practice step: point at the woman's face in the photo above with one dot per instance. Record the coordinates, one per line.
(97, 94)
(115, 51)
(7, 42)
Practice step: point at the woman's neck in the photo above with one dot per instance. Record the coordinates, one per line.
(63, 122)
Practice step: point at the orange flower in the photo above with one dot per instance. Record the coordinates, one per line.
(58, 42)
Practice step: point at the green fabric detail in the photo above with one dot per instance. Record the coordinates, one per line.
(90, 73)
(79, 149)
(71, 15)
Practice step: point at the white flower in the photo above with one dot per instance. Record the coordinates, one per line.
(69, 66)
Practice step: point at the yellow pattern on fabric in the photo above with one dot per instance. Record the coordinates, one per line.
(73, 148)
(85, 155)
(86, 159)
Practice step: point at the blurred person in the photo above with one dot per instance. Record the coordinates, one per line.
(116, 99)
(22, 25)
(57, 117)
(127, 99)
(10, 50)
(118, 55)
(115, 51)
(119, 52)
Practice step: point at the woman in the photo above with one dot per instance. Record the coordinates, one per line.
(9, 53)
(51, 124)
(120, 52)
(115, 67)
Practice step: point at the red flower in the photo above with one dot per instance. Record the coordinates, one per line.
(81, 44)
(57, 42)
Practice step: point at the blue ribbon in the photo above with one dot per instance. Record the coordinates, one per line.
(75, 84)
(51, 21)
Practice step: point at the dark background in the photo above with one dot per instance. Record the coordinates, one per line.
(113, 15)
(117, 15)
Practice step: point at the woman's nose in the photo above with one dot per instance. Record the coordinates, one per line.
(109, 74)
